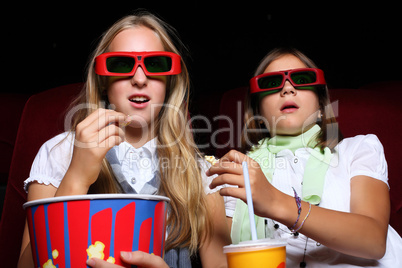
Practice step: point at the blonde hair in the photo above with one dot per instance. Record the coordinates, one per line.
(329, 135)
(188, 219)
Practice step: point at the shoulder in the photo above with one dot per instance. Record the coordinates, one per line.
(58, 146)
(52, 160)
(360, 142)
(363, 155)
(63, 140)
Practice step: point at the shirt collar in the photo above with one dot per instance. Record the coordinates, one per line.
(147, 150)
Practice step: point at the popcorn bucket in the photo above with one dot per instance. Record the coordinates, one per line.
(66, 231)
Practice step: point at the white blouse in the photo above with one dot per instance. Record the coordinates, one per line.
(360, 155)
(138, 165)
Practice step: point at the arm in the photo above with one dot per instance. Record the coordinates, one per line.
(211, 252)
(361, 233)
(36, 191)
(94, 137)
(344, 232)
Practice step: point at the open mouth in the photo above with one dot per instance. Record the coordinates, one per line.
(139, 99)
(289, 106)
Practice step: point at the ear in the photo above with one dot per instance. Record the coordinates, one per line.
(319, 116)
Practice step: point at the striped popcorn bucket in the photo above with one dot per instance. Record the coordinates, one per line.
(66, 231)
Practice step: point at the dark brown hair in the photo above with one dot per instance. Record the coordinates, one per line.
(254, 131)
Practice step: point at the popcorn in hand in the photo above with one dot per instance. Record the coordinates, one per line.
(211, 159)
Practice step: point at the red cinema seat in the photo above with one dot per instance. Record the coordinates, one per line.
(42, 118)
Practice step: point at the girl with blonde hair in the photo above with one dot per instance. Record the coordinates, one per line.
(131, 134)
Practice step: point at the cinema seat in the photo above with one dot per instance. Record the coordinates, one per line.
(41, 119)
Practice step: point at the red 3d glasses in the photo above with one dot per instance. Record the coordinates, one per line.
(153, 63)
(272, 82)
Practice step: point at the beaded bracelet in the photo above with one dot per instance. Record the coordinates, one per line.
(298, 203)
(305, 218)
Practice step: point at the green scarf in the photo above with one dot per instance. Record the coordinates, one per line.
(313, 179)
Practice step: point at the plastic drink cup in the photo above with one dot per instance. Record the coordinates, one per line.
(67, 231)
(267, 253)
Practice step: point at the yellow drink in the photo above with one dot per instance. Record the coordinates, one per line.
(267, 253)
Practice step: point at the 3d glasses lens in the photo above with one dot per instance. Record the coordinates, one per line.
(303, 78)
(158, 64)
(120, 64)
(269, 82)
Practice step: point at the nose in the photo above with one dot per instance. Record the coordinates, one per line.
(288, 89)
(139, 78)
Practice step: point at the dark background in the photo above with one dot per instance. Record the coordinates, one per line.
(47, 45)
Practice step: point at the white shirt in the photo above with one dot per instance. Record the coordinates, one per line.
(138, 165)
(360, 155)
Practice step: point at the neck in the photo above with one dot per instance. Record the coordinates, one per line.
(292, 132)
(138, 137)
(307, 139)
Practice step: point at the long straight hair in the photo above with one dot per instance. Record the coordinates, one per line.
(254, 131)
(188, 218)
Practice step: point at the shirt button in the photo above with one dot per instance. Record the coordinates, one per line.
(133, 180)
(296, 160)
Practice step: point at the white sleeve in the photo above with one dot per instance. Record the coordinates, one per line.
(368, 159)
(52, 161)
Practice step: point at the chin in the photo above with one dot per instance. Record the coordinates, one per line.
(288, 128)
(293, 127)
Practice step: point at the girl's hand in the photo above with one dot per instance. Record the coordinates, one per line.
(94, 137)
(230, 171)
(138, 258)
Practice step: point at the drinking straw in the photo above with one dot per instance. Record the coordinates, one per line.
(249, 201)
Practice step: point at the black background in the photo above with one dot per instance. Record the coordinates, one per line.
(47, 45)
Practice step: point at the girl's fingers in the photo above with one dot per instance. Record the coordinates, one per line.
(234, 192)
(234, 156)
(108, 132)
(225, 167)
(101, 118)
(227, 179)
(90, 119)
(143, 259)
(110, 142)
(100, 126)
(108, 118)
(231, 163)
(98, 263)
(137, 258)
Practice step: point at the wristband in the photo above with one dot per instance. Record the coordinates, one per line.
(301, 225)
(298, 203)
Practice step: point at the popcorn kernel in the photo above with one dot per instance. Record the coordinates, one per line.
(111, 259)
(49, 264)
(55, 254)
(211, 159)
(96, 250)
